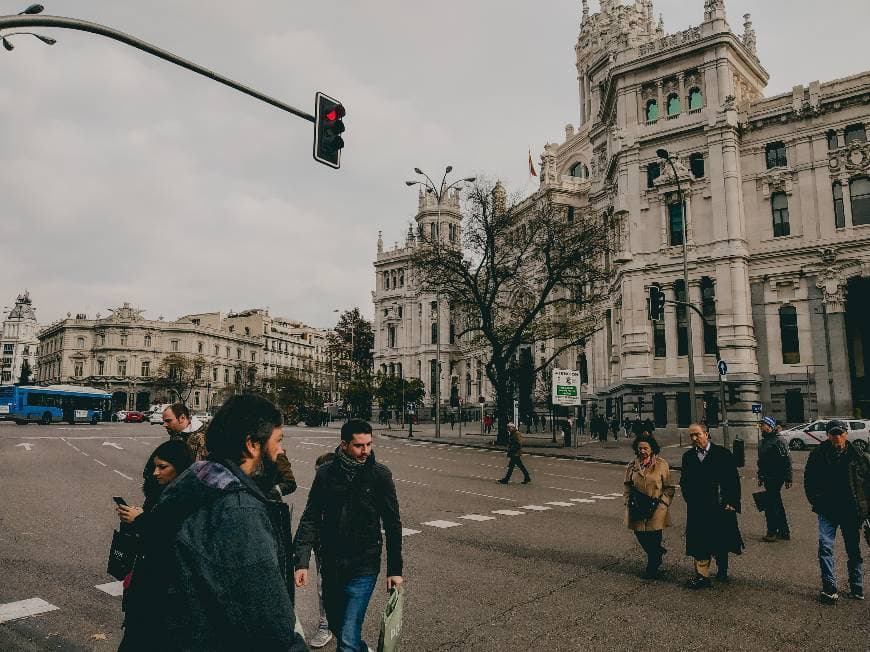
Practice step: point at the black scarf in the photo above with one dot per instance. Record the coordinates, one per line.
(349, 466)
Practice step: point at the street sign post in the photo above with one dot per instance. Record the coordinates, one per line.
(566, 387)
(723, 370)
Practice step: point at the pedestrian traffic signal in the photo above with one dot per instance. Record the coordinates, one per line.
(656, 304)
(328, 127)
(733, 398)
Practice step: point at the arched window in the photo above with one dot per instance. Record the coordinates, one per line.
(80, 342)
(860, 191)
(675, 223)
(839, 207)
(788, 335)
(779, 208)
(434, 339)
(696, 99)
(833, 142)
(652, 110)
(653, 172)
(577, 170)
(674, 106)
(696, 164)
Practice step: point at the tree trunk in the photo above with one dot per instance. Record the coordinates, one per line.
(504, 412)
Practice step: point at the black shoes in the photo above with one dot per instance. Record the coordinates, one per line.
(527, 481)
(856, 594)
(503, 481)
(829, 597)
(699, 582)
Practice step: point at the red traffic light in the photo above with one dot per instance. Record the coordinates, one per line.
(332, 115)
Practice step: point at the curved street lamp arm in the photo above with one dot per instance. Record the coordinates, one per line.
(7, 22)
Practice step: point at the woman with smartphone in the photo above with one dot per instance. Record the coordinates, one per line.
(167, 462)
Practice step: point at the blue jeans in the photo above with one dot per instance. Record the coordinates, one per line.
(346, 603)
(827, 534)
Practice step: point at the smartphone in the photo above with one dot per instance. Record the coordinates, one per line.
(118, 500)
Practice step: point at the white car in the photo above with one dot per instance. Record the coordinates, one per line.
(156, 418)
(202, 416)
(814, 433)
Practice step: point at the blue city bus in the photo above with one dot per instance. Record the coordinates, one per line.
(53, 403)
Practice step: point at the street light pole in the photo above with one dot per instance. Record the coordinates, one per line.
(440, 193)
(693, 406)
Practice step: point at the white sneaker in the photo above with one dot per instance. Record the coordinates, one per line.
(320, 638)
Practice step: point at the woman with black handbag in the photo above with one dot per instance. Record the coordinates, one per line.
(165, 464)
(648, 493)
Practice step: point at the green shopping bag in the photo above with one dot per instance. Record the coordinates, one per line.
(391, 622)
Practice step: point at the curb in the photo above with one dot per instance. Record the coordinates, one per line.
(558, 456)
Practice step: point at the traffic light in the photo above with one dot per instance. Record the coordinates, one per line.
(328, 127)
(656, 304)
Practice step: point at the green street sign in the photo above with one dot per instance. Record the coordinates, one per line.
(566, 390)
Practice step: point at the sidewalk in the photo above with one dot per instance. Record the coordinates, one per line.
(541, 443)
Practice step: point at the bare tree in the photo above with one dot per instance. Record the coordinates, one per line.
(180, 374)
(532, 272)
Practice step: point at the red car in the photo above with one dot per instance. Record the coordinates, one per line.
(134, 417)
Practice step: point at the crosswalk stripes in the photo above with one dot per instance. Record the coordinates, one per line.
(606, 497)
(581, 500)
(535, 508)
(560, 503)
(24, 608)
(507, 512)
(406, 531)
(115, 589)
(477, 517)
(443, 525)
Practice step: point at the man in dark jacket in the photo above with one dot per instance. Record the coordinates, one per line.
(209, 577)
(774, 472)
(515, 455)
(837, 484)
(710, 485)
(351, 497)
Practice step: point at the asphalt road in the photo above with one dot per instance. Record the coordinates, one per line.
(546, 566)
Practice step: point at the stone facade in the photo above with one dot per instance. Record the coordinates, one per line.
(18, 340)
(776, 194)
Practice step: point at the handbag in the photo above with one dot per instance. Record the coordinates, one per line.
(391, 622)
(760, 498)
(122, 554)
(640, 506)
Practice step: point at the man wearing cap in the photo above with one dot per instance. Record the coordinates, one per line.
(774, 471)
(514, 453)
(837, 484)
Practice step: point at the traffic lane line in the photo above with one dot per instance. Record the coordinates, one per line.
(114, 589)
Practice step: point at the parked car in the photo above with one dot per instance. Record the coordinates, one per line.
(814, 433)
(156, 418)
(119, 415)
(134, 417)
(205, 417)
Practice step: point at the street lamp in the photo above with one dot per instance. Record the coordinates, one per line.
(440, 193)
(693, 408)
(31, 10)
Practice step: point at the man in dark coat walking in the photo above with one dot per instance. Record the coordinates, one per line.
(837, 484)
(351, 498)
(774, 472)
(515, 455)
(710, 485)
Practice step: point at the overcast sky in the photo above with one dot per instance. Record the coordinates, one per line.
(125, 178)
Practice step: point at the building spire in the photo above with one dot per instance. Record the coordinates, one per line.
(380, 242)
(749, 39)
(585, 10)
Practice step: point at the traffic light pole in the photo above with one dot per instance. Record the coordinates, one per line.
(61, 22)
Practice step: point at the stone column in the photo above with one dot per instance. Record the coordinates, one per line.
(660, 100)
(696, 326)
(671, 400)
(847, 201)
(833, 303)
(684, 101)
(759, 319)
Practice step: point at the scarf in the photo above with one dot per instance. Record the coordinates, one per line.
(651, 463)
(349, 466)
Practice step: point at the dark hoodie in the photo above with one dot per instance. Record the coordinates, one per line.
(209, 577)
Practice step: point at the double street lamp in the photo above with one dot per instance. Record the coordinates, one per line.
(30, 11)
(693, 407)
(439, 192)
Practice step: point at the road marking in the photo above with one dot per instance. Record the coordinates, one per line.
(419, 484)
(560, 503)
(604, 497)
(24, 608)
(581, 500)
(461, 491)
(615, 495)
(477, 517)
(83, 453)
(27, 446)
(574, 491)
(99, 462)
(121, 474)
(112, 444)
(406, 531)
(536, 508)
(313, 443)
(80, 428)
(442, 525)
(507, 512)
(569, 477)
(112, 588)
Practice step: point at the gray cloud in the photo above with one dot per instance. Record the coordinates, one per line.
(127, 179)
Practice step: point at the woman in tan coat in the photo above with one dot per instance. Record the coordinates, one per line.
(649, 478)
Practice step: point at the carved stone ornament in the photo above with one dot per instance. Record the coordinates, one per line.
(857, 158)
(832, 283)
(666, 178)
(730, 103)
(779, 180)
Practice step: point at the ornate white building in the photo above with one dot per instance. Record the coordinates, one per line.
(18, 340)
(776, 192)
(411, 327)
